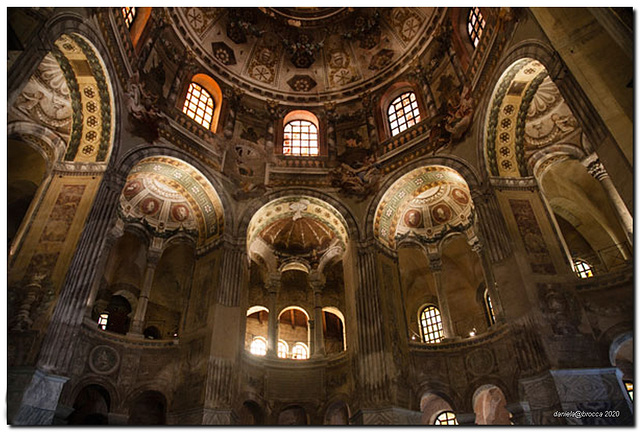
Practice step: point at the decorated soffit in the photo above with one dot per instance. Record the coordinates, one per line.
(527, 114)
(298, 226)
(167, 196)
(301, 52)
(69, 93)
(428, 202)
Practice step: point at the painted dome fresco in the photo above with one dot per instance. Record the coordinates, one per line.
(319, 52)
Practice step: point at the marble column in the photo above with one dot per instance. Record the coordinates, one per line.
(141, 310)
(489, 280)
(435, 264)
(317, 282)
(273, 286)
(597, 170)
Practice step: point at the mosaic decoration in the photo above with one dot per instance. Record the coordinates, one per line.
(265, 57)
(62, 214)
(301, 83)
(294, 208)
(223, 53)
(173, 192)
(381, 59)
(532, 238)
(406, 23)
(423, 202)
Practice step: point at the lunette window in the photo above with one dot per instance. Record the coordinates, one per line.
(403, 113)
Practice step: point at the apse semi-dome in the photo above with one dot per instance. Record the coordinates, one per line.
(306, 54)
(428, 202)
(298, 236)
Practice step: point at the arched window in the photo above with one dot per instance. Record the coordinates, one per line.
(199, 105)
(258, 346)
(475, 25)
(129, 14)
(300, 351)
(491, 316)
(446, 418)
(283, 349)
(431, 325)
(300, 134)
(582, 268)
(629, 386)
(403, 112)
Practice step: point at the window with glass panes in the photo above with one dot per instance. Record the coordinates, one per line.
(629, 386)
(431, 325)
(299, 351)
(475, 25)
(129, 14)
(283, 349)
(446, 418)
(199, 105)
(490, 313)
(403, 113)
(582, 268)
(258, 346)
(300, 139)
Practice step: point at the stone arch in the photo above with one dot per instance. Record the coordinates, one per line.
(148, 407)
(468, 172)
(71, 390)
(241, 228)
(179, 186)
(432, 403)
(337, 413)
(91, 406)
(293, 415)
(489, 405)
(251, 413)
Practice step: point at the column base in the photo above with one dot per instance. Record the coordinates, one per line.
(40, 399)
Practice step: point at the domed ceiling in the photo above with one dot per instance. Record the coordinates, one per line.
(292, 52)
(429, 202)
(166, 195)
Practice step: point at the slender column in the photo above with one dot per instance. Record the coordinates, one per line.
(274, 111)
(111, 239)
(489, 280)
(317, 282)
(597, 170)
(331, 116)
(435, 263)
(141, 310)
(232, 275)
(273, 285)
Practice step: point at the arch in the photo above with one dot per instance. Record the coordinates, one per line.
(252, 207)
(293, 415)
(258, 346)
(335, 311)
(432, 403)
(295, 308)
(148, 408)
(91, 405)
(621, 355)
(180, 186)
(257, 308)
(251, 413)
(440, 183)
(295, 335)
(337, 413)
(430, 319)
(301, 134)
(213, 90)
(489, 405)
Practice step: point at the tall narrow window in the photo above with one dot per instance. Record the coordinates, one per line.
(129, 14)
(431, 325)
(258, 346)
(300, 139)
(199, 105)
(103, 320)
(491, 317)
(283, 349)
(475, 25)
(403, 113)
(300, 351)
(582, 268)
(446, 418)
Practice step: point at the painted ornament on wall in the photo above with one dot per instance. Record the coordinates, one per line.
(180, 212)
(150, 206)
(441, 213)
(413, 218)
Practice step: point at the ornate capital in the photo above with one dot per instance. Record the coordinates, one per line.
(597, 170)
(317, 281)
(435, 263)
(273, 283)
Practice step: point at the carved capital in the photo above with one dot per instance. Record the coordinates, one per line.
(273, 283)
(597, 170)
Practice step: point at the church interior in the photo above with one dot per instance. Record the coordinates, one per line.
(320, 216)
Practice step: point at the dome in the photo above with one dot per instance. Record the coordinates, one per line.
(297, 236)
(306, 54)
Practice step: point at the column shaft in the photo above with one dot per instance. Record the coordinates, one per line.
(141, 309)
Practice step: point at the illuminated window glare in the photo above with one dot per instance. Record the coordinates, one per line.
(475, 25)
(582, 268)
(446, 418)
(300, 352)
(403, 113)
(129, 14)
(490, 313)
(300, 139)
(629, 386)
(258, 346)
(431, 325)
(102, 320)
(199, 105)
(283, 349)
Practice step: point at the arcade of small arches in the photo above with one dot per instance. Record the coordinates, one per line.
(479, 251)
